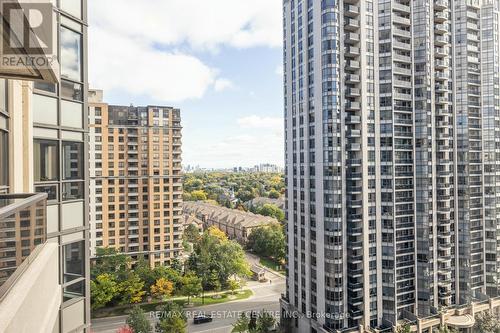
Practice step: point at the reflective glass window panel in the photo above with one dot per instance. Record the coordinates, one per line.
(51, 191)
(3, 95)
(4, 165)
(75, 290)
(45, 160)
(71, 90)
(72, 160)
(45, 86)
(73, 261)
(72, 191)
(71, 55)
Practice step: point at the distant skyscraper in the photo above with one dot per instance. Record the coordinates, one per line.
(135, 180)
(392, 112)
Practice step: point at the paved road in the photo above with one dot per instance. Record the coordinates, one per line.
(265, 297)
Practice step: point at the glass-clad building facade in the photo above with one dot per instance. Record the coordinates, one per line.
(43, 149)
(391, 147)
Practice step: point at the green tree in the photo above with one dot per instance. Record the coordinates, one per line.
(110, 261)
(265, 322)
(273, 194)
(173, 319)
(191, 286)
(233, 261)
(211, 282)
(191, 233)
(245, 195)
(405, 328)
(172, 325)
(199, 195)
(170, 274)
(176, 265)
(192, 184)
(246, 186)
(186, 196)
(138, 321)
(272, 211)
(241, 325)
(487, 322)
(216, 254)
(252, 324)
(132, 289)
(233, 284)
(268, 241)
(102, 290)
(143, 270)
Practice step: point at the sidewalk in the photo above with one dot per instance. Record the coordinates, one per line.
(255, 260)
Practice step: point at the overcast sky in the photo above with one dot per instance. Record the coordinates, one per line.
(219, 61)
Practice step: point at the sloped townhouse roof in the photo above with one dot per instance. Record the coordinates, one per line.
(227, 216)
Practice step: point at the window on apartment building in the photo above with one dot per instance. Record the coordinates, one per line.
(72, 191)
(74, 270)
(72, 160)
(74, 261)
(45, 160)
(71, 114)
(51, 191)
(4, 165)
(71, 90)
(71, 47)
(3, 95)
(45, 86)
(4, 137)
(72, 7)
(44, 109)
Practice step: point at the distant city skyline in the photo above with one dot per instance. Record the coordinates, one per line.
(226, 78)
(260, 167)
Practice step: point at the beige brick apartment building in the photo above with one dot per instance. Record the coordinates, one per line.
(136, 181)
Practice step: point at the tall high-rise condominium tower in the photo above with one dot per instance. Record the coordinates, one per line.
(44, 271)
(392, 115)
(136, 181)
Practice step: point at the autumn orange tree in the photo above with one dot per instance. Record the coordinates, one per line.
(162, 288)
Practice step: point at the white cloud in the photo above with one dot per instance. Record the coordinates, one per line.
(223, 84)
(200, 24)
(254, 121)
(134, 67)
(132, 43)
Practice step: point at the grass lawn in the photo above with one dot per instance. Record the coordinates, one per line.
(195, 302)
(225, 297)
(270, 263)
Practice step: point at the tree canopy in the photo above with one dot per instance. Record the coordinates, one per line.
(138, 321)
(272, 211)
(223, 187)
(217, 258)
(191, 233)
(268, 241)
(173, 319)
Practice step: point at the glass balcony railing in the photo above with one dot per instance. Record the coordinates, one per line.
(23, 227)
